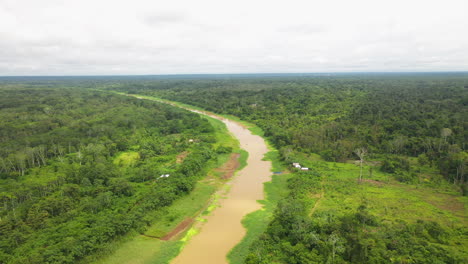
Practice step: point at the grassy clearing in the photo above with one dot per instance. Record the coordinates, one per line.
(188, 206)
(386, 197)
(141, 250)
(127, 159)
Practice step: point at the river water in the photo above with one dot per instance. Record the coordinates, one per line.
(223, 228)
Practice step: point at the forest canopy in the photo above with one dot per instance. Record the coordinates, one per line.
(79, 168)
(404, 115)
(409, 132)
(81, 165)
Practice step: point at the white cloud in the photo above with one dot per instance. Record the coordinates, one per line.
(60, 37)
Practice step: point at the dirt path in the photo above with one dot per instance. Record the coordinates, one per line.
(180, 228)
(317, 203)
(229, 168)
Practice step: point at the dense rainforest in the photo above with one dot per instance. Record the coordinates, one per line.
(80, 168)
(394, 116)
(386, 155)
(408, 132)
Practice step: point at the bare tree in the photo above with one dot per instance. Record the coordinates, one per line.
(79, 155)
(20, 160)
(398, 143)
(335, 241)
(361, 152)
(445, 132)
(41, 152)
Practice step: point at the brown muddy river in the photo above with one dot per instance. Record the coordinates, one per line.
(223, 228)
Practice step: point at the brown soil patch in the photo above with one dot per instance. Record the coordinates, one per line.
(179, 229)
(373, 182)
(373, 163)
(181, 157)
(450, 204)
(366, 162)
(446, 202)
(230, 167)
(316, 195)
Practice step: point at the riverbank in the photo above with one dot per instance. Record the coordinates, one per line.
(154, 244)
(223, 228)
(255, 222)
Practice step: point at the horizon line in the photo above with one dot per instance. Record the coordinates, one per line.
(245, 73)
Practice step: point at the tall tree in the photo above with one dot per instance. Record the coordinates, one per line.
(361, 153)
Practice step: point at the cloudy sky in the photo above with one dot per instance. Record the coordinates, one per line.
(94, 37)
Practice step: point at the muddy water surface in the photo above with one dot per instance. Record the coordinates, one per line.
(223, 228)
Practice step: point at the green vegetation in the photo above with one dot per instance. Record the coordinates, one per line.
(329, 216)
(201, 201)
(407, 115)
(386, 155)
(403, 135)
(142, 249)
(126, 159)
(80, 169)
(147, 249)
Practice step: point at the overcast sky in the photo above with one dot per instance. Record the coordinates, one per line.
(94, 37)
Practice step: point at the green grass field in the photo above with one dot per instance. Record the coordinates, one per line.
(386, 197)
(389, 200)
(126, 159)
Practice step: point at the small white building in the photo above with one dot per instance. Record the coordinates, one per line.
(305, 169)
